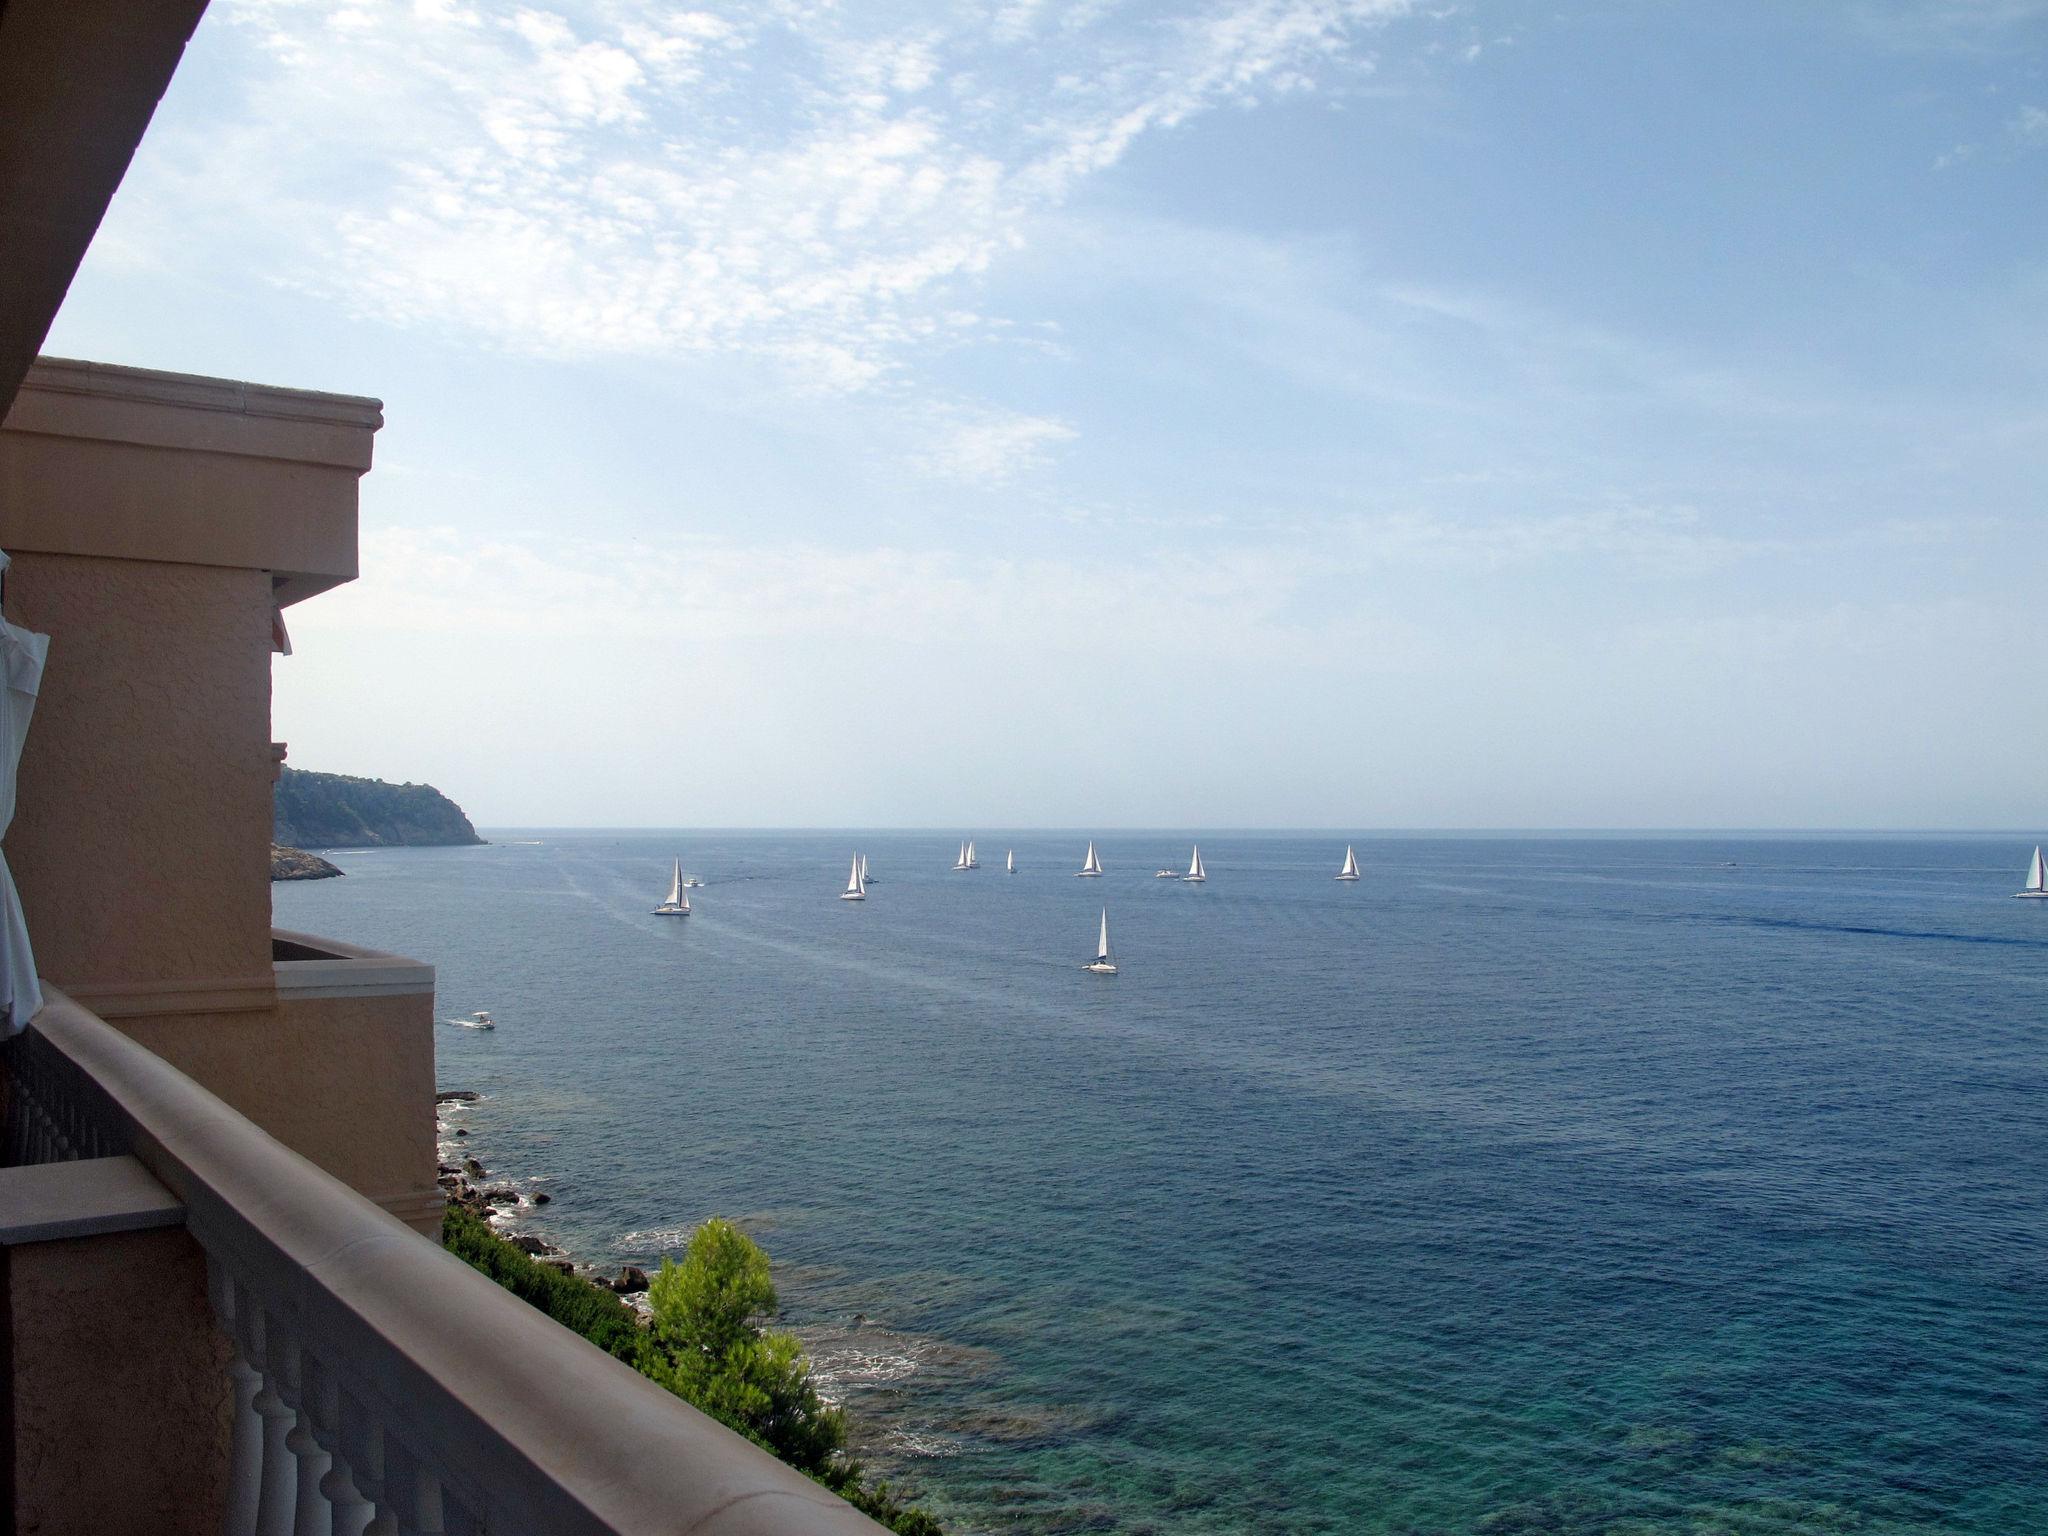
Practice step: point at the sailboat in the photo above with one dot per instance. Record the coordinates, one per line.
(856, 883)
(1350, 869)
(1090, 866)
(972, 861)
(2037, 880)
(1195, 871)
(966, 859)
(1010, 862)
(1102, 964)
(677, 905)
(865, 877)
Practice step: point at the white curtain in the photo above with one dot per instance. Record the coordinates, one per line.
(21, 658)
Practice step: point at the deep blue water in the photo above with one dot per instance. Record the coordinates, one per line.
(1529, 1185)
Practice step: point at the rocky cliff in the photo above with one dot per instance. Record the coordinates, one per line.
(333, 810)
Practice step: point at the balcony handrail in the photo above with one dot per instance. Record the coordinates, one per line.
(438, 1401)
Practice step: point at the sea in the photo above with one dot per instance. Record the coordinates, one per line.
(1532, 1184)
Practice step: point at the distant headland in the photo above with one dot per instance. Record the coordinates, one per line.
(335, 810)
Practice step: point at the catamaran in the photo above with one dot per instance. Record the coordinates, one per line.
(1090, 866)
(1010, 862)
(1350, 869)
(2037, 880)
(856, 883)
(1102, 964)
(1195, 871)
(677, 905)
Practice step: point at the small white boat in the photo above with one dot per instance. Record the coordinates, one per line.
(1196, 873)
(677, 905)
(692, 883)
(482, 1019)
(1165, 874)
(1102, 964)
(1090, 866)
(1350, 869)
(2037, 880)
(856, 883)
(1010, 862)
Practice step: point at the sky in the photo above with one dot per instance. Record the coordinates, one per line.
(1346, 414)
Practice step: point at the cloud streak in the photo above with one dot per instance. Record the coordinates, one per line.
(795, 184)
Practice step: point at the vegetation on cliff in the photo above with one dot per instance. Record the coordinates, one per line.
(706, 1344)
(333, 810)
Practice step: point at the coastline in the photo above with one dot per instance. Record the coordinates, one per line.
(858, 1362)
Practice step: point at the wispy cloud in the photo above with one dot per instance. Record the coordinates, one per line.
(809, 184)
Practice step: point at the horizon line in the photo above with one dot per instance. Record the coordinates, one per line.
(1241, 831)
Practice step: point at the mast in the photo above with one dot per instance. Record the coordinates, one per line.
(1102, 944)
(675, 885)
(2037, 877)
(1195, 864)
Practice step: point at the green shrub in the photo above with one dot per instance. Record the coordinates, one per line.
(706, 1344)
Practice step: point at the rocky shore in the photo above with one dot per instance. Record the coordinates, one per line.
(297, 864)
(467, 1183)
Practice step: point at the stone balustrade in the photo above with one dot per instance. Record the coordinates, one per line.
(380, 1385)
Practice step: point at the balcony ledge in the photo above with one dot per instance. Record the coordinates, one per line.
(311, 967)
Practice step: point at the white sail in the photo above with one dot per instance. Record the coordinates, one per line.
(961, 862)
(1350, 869)
(863, 871)
(678, 903)
(1195, 870)
(1102, 944)
(968, 858)
(1091, 865)
(856, 886)
(2037, 876)
(1010, 862)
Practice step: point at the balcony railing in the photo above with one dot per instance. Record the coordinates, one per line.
(382, 1385)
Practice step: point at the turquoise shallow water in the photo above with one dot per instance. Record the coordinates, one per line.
(1543, 1185)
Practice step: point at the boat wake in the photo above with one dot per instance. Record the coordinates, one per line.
(1872, 931)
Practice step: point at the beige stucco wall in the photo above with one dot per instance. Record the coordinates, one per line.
(154, 520)
(141, 834)
(346, 1081)
(119, 1395)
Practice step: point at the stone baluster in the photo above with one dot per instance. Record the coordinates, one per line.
(351, 1511)
(363, 1436)
(412, 1493)
(269, 1344)
(245, 1443)
(312, 1515)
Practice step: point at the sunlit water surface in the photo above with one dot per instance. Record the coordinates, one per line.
(1541, 1185)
